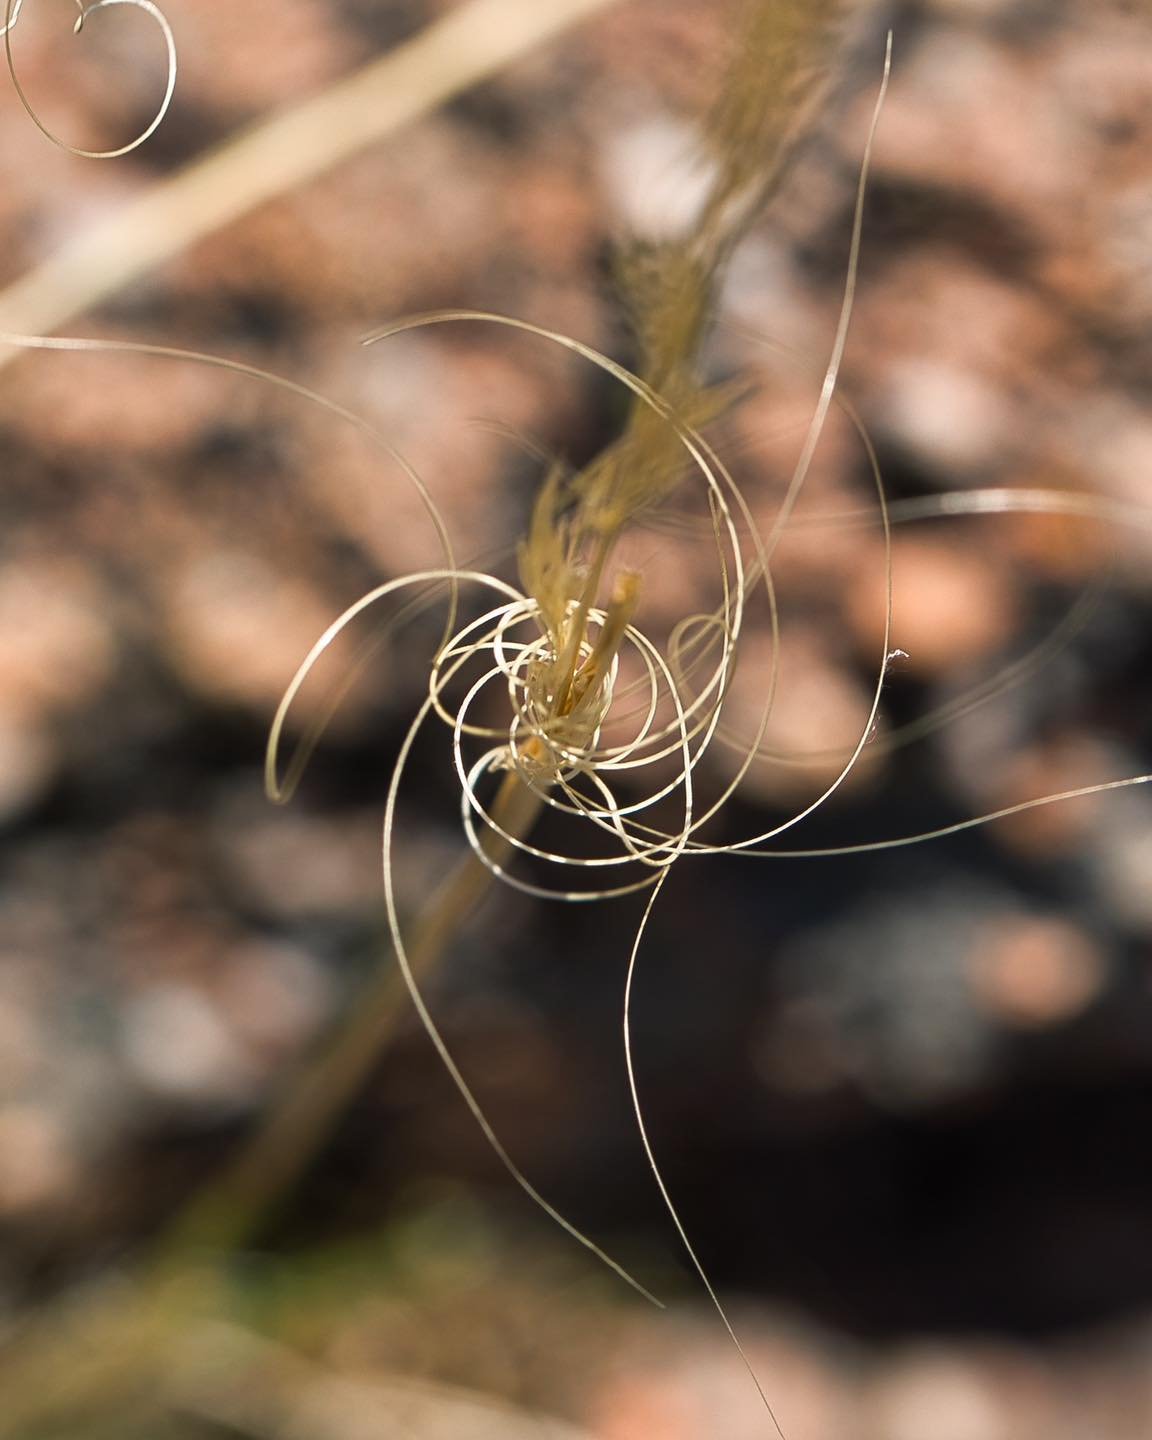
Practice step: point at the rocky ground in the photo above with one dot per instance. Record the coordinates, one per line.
(902, 1097)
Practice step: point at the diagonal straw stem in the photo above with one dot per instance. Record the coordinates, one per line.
(75, 1361)
(469, 44)
(233, 1206)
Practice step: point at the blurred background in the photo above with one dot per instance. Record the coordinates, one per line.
(901, 1098)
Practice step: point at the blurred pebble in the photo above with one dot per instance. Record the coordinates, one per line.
(36, 1166)
(683, 1382)
(293, 864)
(178, 1044)
(1033, 971)
(953, 605)
(954, 418)
(656, 178)
(238, 630)
(28, 762)
(938, 1394)
(274, 995)
(56, 646)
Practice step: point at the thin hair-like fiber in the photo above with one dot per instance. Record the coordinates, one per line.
(12, 11)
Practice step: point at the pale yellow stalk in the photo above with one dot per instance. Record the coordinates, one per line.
(277, 155)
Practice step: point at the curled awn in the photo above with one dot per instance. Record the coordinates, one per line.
(13, 10)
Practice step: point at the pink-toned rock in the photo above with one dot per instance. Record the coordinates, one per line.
(952, 605)
(1033, 971)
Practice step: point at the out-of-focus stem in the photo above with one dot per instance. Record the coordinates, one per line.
(92, 1353)
(469, 44)
(233, 1206)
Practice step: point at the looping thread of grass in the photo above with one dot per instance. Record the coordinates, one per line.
(12, 10)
